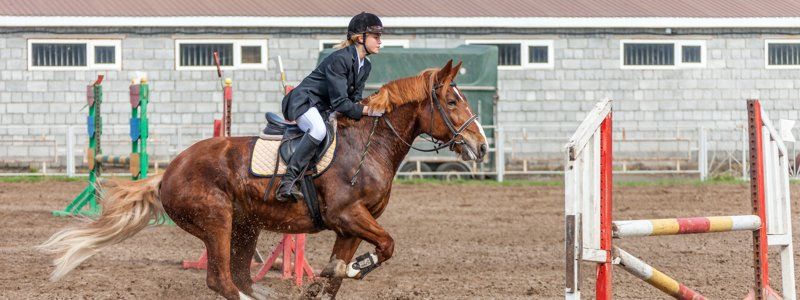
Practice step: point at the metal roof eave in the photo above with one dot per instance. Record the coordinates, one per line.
(401, 22)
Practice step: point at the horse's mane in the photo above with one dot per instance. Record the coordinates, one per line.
(401, 91)
(397, 92)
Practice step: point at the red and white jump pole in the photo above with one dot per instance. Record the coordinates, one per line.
(590, 229)
(290, 244)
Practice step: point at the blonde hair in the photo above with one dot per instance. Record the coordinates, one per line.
(346, 43)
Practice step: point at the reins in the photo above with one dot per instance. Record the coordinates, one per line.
(436, 105)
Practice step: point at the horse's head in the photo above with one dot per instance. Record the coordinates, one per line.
(448, 117)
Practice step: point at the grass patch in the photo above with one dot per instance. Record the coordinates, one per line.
(681, 181)
(31, 179)
(559, 182)
(721, 179)
(513, 182)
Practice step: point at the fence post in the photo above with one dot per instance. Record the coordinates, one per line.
(745, 146)
(702, 155)
(500, 156)
(70, 151)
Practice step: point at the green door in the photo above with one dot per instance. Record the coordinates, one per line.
(477, 80)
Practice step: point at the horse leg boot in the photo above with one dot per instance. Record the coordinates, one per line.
(306, 149)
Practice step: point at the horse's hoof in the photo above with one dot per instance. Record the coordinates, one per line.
(314, 290)
(337, 268)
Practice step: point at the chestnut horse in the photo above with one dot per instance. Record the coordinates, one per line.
(209, 192)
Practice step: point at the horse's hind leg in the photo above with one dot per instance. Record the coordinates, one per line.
(217, 224)
(243, 245)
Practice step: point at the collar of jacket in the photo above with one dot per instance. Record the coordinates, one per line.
(353, 52)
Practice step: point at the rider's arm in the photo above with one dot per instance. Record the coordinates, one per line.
(359, 90)
(336, 73)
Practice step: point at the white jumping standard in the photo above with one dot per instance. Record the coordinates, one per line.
(590, 228)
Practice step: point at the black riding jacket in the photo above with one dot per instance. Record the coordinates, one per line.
(335, 85)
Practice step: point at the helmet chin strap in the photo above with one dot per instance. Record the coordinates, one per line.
(364, 43)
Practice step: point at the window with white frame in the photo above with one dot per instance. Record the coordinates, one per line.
(73, 54)
(662, 54)
(236, 54)
(388, 43)
(516, 54)
(394, 43)
(328, 44)
(782, 54)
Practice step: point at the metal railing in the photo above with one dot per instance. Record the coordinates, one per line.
(514, 150)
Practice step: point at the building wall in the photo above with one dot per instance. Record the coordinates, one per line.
(648, 103)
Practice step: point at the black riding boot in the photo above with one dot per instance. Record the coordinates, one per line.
(288, 190)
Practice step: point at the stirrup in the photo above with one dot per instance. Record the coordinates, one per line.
(294, 194)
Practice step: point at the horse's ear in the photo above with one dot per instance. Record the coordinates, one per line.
(444, 73)
(456, 68)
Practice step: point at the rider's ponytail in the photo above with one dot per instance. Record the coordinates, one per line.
(346, 43)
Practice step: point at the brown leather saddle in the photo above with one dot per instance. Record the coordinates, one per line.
(290, 135)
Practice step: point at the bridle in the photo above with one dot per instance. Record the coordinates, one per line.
(456, 139)
(455, 132)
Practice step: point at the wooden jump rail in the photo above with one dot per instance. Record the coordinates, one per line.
(654, 277)
(137, 160)
(655, 227)
(590, 229)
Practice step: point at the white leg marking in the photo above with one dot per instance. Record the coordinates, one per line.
(242, 296)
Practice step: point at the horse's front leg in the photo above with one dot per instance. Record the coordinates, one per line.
(358, 221)
(343, 250)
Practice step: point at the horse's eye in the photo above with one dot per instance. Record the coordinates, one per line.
(451, 104)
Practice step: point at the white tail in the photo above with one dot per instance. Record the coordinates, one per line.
(128, 207)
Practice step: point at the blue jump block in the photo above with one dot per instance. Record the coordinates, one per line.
(135, 132)
(90, 126)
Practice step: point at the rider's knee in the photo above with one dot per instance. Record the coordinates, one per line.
(318, 132)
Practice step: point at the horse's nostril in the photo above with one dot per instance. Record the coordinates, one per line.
(484, 149)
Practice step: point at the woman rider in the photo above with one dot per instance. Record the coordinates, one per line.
(335, 85)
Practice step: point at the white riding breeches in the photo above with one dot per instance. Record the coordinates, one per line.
(311, 122)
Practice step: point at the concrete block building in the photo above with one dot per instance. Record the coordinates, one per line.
(671, 66)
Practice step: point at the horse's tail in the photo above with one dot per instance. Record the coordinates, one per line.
(128, 207)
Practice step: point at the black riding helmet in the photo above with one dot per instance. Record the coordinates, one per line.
(364, 23)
